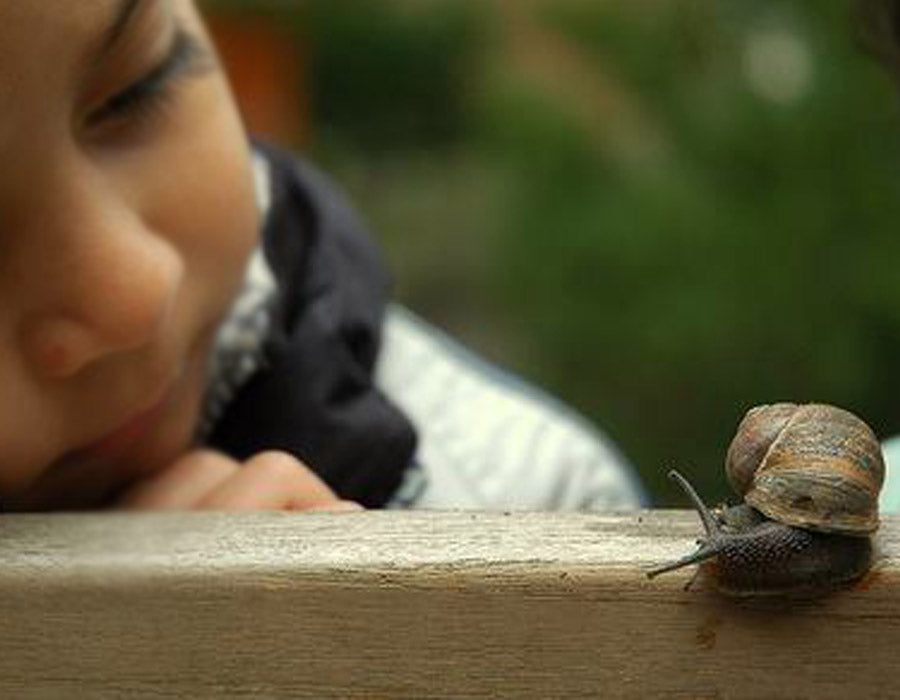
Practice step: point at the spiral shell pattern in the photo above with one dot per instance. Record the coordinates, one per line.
(812, 466)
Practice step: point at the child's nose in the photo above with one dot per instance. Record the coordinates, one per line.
(111, 294)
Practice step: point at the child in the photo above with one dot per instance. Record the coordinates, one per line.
(188, 322)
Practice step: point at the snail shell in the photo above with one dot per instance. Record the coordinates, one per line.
(813, 466)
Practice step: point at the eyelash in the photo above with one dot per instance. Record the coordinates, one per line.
(146, 96)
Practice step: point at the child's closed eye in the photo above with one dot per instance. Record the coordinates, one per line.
(143, 98)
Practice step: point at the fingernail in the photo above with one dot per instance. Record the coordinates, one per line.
(338, 507)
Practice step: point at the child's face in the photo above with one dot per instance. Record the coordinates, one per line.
(126, 219)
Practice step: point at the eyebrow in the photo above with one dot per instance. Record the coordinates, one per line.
(121, 18)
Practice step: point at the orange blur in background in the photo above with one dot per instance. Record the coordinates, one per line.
(266, 67)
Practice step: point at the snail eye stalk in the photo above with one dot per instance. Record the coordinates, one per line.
(709, 546)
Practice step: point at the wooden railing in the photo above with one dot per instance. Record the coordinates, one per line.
(415, 605)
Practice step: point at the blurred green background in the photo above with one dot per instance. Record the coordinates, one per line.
(663, 211)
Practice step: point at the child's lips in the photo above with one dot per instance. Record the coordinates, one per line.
(117, 441)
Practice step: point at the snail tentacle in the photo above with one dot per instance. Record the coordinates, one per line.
(709, 546)
(707, 550)
(710, 524)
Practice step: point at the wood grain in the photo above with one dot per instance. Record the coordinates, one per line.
(414, 605)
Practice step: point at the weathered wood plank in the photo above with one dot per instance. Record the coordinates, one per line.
(414, 605)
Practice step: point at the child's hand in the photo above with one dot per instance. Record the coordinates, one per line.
(208, 480)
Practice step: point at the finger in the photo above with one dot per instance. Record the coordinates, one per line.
(184, 484)
(337, 507)
(271, 481)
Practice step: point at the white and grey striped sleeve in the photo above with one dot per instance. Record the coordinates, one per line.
(488, 440)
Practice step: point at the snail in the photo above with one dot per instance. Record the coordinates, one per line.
(809, 476)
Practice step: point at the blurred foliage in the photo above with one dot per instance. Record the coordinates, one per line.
(664, 212)
(388, 80)
(748, 259)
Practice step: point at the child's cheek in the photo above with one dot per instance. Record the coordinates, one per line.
(205, 203)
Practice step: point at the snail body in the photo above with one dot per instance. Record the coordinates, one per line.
(809, 476)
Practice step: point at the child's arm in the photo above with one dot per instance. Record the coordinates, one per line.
(209, 480)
